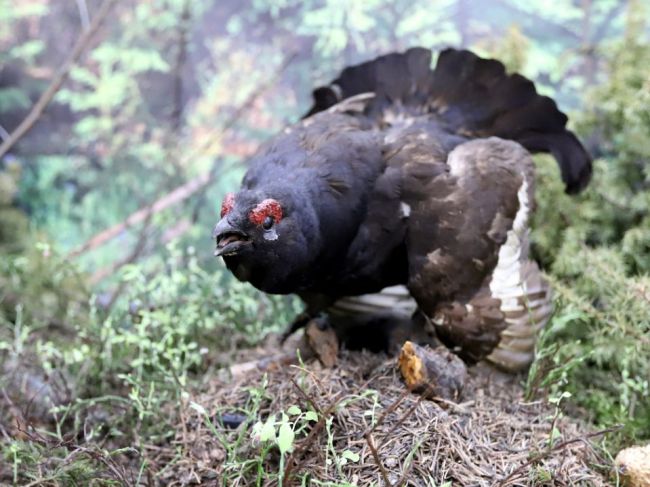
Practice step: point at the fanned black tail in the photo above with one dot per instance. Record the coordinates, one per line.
(471, 96)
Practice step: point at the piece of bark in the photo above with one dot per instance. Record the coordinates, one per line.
(323, 341)
(633, 465)
(432, 372)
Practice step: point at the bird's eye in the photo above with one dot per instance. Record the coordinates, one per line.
(268, 223)
(266, 214)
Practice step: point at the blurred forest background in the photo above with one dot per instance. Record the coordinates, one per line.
(111, 304)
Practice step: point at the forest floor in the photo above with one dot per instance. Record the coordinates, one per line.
(356, 424)
(298, 422)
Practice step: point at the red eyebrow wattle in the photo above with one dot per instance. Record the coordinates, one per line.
(227, 204)
(268, 207)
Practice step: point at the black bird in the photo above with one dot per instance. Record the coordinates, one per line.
(404, 175)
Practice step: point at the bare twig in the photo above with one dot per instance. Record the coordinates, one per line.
(306, 396)
(137, 250)
(294, 456)
(180, 194)
(375, 455)
(294, 462)
(59, 78)
(389, 410)
(83, 14)
(172, 138)
(548, 25)
(4, 135)
(176, 231)
(604, 26)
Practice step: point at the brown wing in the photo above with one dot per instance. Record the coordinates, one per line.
(467, 248)
(460, 220)
(468, 251)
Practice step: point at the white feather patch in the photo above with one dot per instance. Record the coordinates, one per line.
(507, 279)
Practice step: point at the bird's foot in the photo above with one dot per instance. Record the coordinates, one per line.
(301, 321)
(322, 339)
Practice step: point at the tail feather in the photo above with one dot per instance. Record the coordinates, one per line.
(468, 95)
(403, 77)
(572, 157)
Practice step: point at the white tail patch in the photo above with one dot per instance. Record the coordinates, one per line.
(506, 280)
(525, 296)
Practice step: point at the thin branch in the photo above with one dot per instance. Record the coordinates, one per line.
(390, 409)
(375, 455)
(83, 14)
(294, 461)
(309, 399)
(59, 78)
(143, 236)
(604, 26)
(178, 195)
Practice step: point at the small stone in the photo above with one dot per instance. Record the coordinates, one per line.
(633, 465)
(432, 372)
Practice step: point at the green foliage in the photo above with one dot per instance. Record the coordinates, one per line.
(597, 249)
(14, 224)
(79, 467)
(41, 283)
(17, 97)
(124, 368)
(32, 276)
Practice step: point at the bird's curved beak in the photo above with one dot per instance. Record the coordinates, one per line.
(229, 240)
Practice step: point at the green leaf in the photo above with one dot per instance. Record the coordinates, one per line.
(555, 434)
(268, 430)
(285, 438)
(350, 455)
(311, 416)
(293, 410)
(28, 50)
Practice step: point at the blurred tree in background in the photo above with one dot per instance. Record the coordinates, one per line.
(151, 104)
(159, 115)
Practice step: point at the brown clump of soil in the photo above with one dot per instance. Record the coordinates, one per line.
(491, 437)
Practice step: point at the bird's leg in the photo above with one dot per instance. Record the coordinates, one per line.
(315, 305)
(299, 322)
(321, 319)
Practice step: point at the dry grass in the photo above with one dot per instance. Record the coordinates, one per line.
(491, 438)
